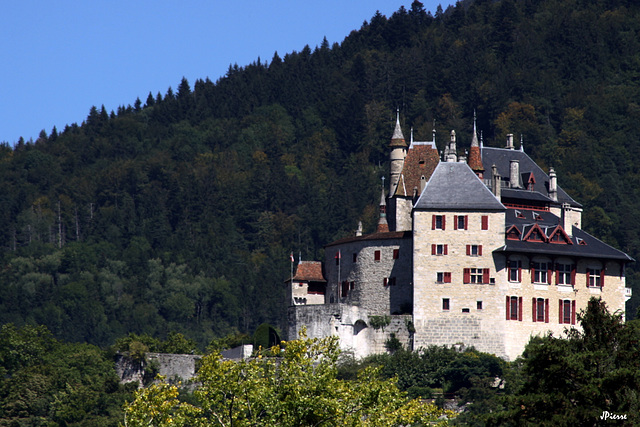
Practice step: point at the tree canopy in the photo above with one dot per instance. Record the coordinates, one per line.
(294, 386)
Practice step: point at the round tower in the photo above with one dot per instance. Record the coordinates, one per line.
(397, 155)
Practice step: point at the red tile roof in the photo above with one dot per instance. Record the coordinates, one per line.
(310, 271)
(421, 160)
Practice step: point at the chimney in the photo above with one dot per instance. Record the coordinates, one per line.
(565, 220)
(359, 230)
(495, 181)
(553, 185)
(509, 141)
(514, 173)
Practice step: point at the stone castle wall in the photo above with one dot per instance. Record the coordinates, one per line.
(371, 291)
(351, 324)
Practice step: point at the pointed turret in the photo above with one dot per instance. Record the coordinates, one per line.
(451, 152)
(383, 226)
(475, 159)
(396, 156)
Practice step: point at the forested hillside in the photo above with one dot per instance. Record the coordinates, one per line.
(178, 213)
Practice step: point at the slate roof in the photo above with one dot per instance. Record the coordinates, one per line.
(422, 158)
(581, 244)
(501, 157)
(454, 186)
(372, 236)
(310, 271)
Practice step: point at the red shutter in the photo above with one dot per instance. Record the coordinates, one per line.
(468, 250)
(485, 275)
(433, 249)
(588, 277)
(533, 310)
(520, 309)
(446, 249)
(384, 281)
(447, 277)
(479, 250)
(533, 273)
(485, 222)
(573, 312)
(433, 222)
(546, 310)
(560, 312)
(466, 273)
(549, 273)
(519, 272)
(602, 277)
(508, 307)
(573, 274)
(455, 222)
(466, 221)
(444, 222)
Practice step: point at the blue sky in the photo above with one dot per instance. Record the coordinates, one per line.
(61, 57)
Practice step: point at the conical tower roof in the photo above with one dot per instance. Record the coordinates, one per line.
(475, 158)
(397, 140)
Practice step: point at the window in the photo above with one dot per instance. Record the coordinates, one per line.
(460, 222)
(540, 272)
(485, 222)
(465, 310)
(478, 305)
(474, 250)
(540, 310)
(476, 275)
(595, 277)
(439, 249)
(345, 289)
(565, 274)
(445, 304)
(514, 308)
(396, 253)
(443, 277)
(438, 222)
(515, 270)
(376, 256)
(567, 312)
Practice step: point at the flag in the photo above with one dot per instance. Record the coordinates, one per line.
(291, 257)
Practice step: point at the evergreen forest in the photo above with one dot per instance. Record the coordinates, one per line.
(177, 214)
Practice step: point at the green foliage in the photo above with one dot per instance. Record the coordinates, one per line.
(299, 388)
(46, 382)
(265, 337)
(228, 342)
(378, 322)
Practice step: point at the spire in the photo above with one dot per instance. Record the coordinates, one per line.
(475, 157)
(397, 140)
(383, 226)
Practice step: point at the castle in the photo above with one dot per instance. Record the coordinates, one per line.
(483, 250)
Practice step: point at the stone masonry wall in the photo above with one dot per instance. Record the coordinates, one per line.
(351, 325)
(368, 275)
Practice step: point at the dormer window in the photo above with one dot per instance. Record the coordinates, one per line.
(513, 233)
(537, 216)
(519, 215)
